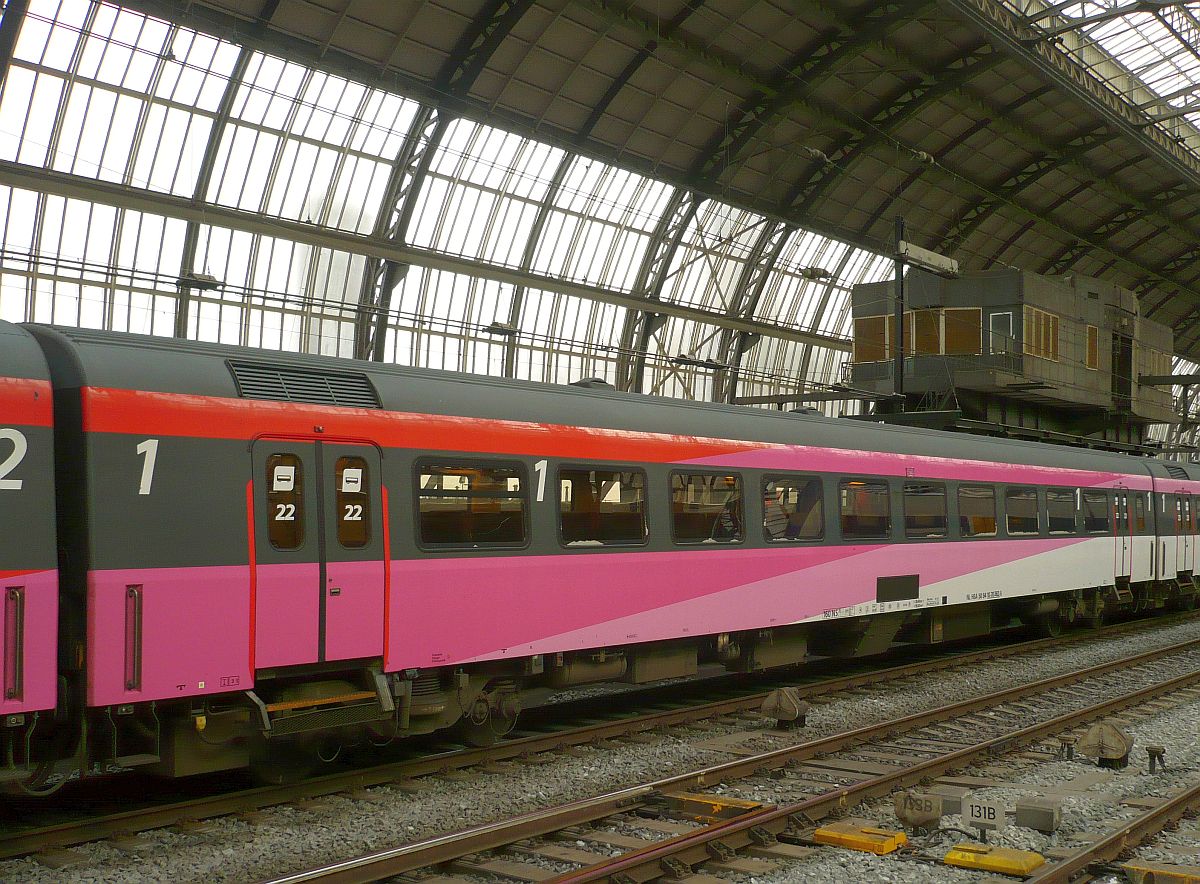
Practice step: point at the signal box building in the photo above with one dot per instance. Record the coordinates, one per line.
(1005, 351)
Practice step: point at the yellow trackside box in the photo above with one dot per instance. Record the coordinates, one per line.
(1140, 870)
(1003, 860)
(858, 837)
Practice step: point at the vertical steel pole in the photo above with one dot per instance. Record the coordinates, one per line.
(898, 338)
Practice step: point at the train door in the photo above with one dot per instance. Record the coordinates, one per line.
(1184, 543)
(318, 564)
(1122, 526)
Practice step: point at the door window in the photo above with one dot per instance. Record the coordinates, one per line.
(353, 502)
(285, 501)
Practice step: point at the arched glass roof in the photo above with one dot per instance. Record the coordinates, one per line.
(169, 181)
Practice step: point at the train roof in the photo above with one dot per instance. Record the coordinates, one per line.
(20, 355)
(82, 357)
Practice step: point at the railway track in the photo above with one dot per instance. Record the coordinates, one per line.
(1004, 720)
(97, 827)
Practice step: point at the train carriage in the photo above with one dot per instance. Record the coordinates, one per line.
(28, 549)
(266, 550)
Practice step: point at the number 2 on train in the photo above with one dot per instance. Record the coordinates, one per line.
(20, 447)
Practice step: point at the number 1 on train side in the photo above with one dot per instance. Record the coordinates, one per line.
(540, 469)
(149, 452)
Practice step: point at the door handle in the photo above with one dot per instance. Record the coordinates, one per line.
(335, 590)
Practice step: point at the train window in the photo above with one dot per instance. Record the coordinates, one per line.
(1095, 512)
(1139, 513)
(924, 510)
(285, 501)
(864, 508)
(353, 500)
(793, 510)
(1021, 510)
(1060, 510)
(706, 508)
(471, 504)
(977, 510)
(601, 507)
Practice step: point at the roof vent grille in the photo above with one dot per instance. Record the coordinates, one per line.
(256, 380)
(1176, 471)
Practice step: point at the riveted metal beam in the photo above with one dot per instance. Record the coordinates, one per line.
(216, 134)
(801, 74)
(460, 70)
(517, 305)
(640, 326)
(733, 345)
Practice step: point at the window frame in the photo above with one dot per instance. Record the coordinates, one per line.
(916, 480)
(1104, 494)
(368, 512)
(777, 477)
(1076, 500)
(741, 481)
(576, 545)
(1037, 511)
(889, 529)
(522, 474)
(996, 498)
(299, 506)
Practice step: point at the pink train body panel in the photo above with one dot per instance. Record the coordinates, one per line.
(28, 642)
(287, 614)
(194, 628)
(354, 617)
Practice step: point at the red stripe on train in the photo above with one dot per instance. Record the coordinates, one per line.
(174, 414)
(26, 402)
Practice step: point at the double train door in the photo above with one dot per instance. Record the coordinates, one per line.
(1184, 541)
(319, 552)
(1122, 531)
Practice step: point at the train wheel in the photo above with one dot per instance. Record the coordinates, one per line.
(491, 716)
(1047, 625)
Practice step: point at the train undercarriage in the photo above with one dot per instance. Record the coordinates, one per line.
(295, 720)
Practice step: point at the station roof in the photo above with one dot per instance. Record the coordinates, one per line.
(673, 196)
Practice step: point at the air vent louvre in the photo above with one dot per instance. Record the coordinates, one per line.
(287, 384)
(1176, 471)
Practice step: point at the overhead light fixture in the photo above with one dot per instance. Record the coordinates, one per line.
(204, 282)
(501, 328)
(815, 273)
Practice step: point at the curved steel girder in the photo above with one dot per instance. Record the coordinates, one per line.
(464, 64)
(803, 71)
(763, 257)
(10, 27)
(641, 325)
(517, 305)
(900, 107)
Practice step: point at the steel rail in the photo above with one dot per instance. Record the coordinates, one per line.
(141, 819)
(692, 848)
(1133, 833)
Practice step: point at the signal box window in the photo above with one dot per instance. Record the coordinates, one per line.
(602, 507)
(353, 502)
(285, 501)
(1060, 510)
(864, 509)
(1021, 508)
(1095, 512)
(924, 510)
(706, 508)
(977, 510)
(471, 505)
(793, 510)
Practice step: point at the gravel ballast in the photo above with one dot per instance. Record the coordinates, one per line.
(285, 838)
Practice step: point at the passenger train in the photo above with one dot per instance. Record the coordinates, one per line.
(212, 557)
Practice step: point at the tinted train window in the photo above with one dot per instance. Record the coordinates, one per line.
(285, 501)
(864, 509)
(1021, 509)
(602, 507)
(1060, 510)
(1139, 513)
(924, 510)
(353, 502)
(793, 510)
(471, 505)
(977, 510)
(706, 508)
(1095, 512)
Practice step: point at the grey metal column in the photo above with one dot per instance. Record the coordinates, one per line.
(641, 325)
